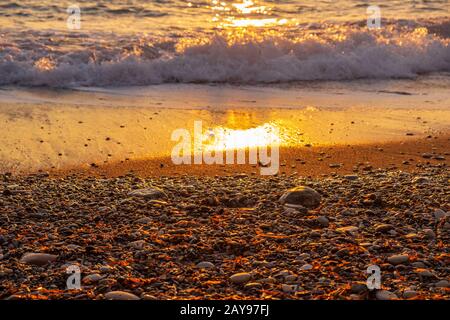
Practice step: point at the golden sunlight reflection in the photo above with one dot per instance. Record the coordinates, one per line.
(222, 138)
(246, 13)
(44, 64)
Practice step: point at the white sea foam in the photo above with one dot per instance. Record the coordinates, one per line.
(347, 55)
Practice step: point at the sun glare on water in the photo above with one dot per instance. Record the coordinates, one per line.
(247, 13)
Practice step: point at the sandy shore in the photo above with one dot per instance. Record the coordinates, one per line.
(410, 155)
(60, 137)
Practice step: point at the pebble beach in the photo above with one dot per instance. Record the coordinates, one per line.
(135, 140)
(227, 237)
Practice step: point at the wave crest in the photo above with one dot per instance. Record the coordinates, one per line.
(348, 55)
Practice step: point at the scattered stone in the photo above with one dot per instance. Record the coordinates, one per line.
(306, 267)
(148, 193)
(427, 155)
(239, 278)
(144, 220)
(385, 295)
(418, 264)
(425, 273)
(303, 196)
(323, 221)
(148, 297)
(349, 229)
(421, 180)
(138, 244)
(442, 284)
(408, 294)
(358, 288)
(383, 227)
(38, 259)
(288, 288)
(205, 265)
(92, 278)
(398, 259)
(120, 295)
(429, 233)
(439, 214)
(253, 286)
(106, 269)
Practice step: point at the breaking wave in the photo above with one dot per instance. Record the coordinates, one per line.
(273, 58)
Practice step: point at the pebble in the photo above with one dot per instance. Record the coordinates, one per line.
(148, 193)
(358, 288)
(424, 273)
(429, 233)
(304, 196)
(106, 269)
(351, 177)
(418, 264)
(439, 214)
(38, 259)
(120, 295)
(383, 227)
(323, 221)
(408, 294)
(144, 220)
(442, 284)
(205, 265)
(253, 285)
(306, 267)
(420, 180)
(348, 229)
(239, 278)
(427, 155)
(398, 259)
(138, 244)
(95, 277)
(385, 295)
(289, 288)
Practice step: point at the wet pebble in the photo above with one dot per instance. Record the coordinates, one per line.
(398, 259)
(239, 278)
(385, 295)
(148, 193)
(38, 259)
(205, 265)
(304, 196)
(120, 295)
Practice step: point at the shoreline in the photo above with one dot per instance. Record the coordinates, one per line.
(408, 155)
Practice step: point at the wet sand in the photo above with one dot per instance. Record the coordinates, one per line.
(62, 136)
(409, 155)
